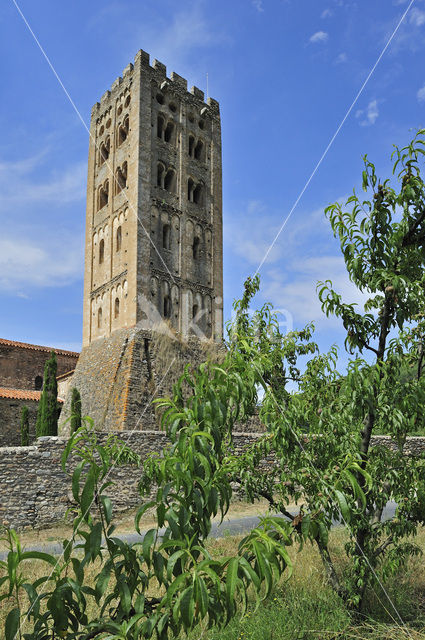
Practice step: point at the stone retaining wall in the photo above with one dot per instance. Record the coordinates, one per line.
(35, 492)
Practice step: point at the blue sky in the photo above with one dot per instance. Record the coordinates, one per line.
(284, 71)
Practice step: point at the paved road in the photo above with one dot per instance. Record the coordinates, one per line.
(231, 526)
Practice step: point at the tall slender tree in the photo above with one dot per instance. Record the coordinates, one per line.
(47, 414)
(25, 427)
(75, 410)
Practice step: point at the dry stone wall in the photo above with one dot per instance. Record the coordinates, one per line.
(35, 492)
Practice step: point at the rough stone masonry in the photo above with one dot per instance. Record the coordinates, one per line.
(34, 491)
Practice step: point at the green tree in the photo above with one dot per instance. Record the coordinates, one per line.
(191, 585)
(47, 414)
(75, 410)
(25, 427)
(334, 473)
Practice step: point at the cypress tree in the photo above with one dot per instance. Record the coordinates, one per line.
(25, 438)
(75, 410)
(47, 414)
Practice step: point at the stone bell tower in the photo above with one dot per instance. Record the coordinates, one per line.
(154, 207)
(153, 249)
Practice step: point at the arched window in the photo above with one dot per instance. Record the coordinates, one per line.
(103, 195)
(195, 248)
(118, 239)
(160, 175)
(198, 194)
(160, 127)
(101, 251)
(167, 307)
(123, 129)
(38, 383)
(190, 188)
(104, 150)
(194, 311)
(198, 150)
(166, 236)
(170, 181)
(116, 308)
(99, 318)
(168, 133)
(121, 178)
(191, 145)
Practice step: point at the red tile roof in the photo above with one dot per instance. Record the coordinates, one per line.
(37, 347)
(21, 394)
(65, 375)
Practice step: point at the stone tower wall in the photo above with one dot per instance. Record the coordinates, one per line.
(154, 207)
(120, 375)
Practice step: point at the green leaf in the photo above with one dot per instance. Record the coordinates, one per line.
(76, 481)
(172, 562)
(231, 580)
(87, 495)
(345, 511)
(141, 512)
(125, 595)
(12, 623)
(187, 607)
(39, 555)
(146, 546)
(107, 508)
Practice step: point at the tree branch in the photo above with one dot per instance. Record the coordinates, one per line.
(421, 357)
(410, 237)
(383, 546)
(367, 346)
(330, 570)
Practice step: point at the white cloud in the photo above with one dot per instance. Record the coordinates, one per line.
(410, 34)
(341, 58)
(319, 36)
(26, 262)
(20, 184)
(258, 4)
(326, 13)
(251, 233)
(252, 240)
(174, 42)
(421, 94)
(368, 116)
(305, 253)
(417, 17)
(298, 294)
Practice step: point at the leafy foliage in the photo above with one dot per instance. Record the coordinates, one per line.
(47, 414)
(189, 584)
(333, 472)
(75, 421)
(25, 427)
(168, 582)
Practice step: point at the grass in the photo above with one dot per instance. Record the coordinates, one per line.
(304, 608)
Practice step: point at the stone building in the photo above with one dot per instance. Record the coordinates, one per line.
(21, 381)
(154, 206)
(22, 364)
(153, 249)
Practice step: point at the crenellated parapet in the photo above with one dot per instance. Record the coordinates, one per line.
(158, 72)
